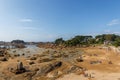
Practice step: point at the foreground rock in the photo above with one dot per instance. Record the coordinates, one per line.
(18, 69)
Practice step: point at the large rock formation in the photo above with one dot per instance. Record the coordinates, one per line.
(48, 68)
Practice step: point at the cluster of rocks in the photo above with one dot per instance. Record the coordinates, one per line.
(32, 74)
(52, 69)
(3, 52)
(4, 55)
(51, 62)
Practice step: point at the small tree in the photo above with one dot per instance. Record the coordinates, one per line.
(116, 43)
(59, 41)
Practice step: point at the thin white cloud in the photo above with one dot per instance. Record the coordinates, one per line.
(29, 28)
(116, 33)
(107, 31)
(26, 20)
(114, 22)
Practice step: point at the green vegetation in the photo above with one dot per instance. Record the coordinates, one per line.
(106, 39)
(59, 41)
(78, 41)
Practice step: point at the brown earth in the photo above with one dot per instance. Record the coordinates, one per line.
(96, 63)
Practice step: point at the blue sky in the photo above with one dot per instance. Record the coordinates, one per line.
(46, 20)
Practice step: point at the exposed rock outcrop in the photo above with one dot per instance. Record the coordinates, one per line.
(48, 68)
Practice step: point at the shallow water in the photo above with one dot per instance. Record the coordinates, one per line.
(29, 50)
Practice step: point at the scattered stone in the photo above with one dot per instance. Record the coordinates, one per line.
(95, 62)
(23, 54)
(30, 74)
(31, 62)
(56, 55)
(57, 64)
(28, 52)
(25, 76)
(16, 55)
(36, 69)
(53, 74)
(10, 69)
(86, 75)
(45, 69)
(33, 58)
(14, 51)
(95, 54)
(74, 68)
(3, 59)
(65, 55)
(110, 62)
(28, 56)
(80, 59)
(44, 60)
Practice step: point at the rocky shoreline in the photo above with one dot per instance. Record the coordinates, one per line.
(58, 64)
(48, 65)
